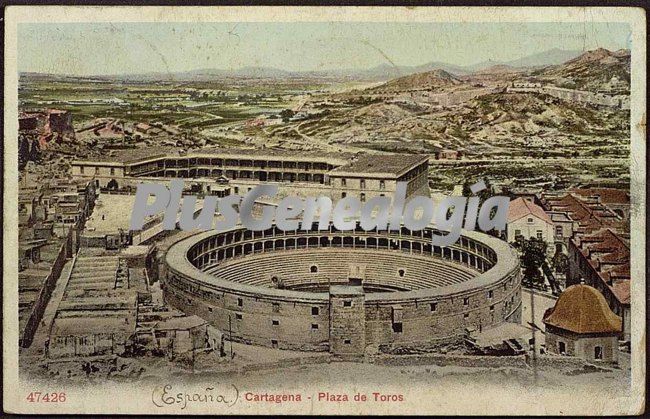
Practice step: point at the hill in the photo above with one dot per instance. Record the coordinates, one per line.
(429, 80)
(592, 70)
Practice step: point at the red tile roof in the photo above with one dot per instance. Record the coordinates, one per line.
(609, 254)
(597, 237)
(522, 207)
(591, 216)
(621, 290)
(606, 195)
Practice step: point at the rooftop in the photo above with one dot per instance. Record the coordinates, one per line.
(348, 164)
(559, 216)
(609, 255)
(130, 155)
(133, 155)
(135, 250)
(90, 322)
(180, 323)
(607, 196)
(269, 152)
(622, 291)
(522, 207)
(111, 213)
(393, 164)
(582, 309)
(591, 216)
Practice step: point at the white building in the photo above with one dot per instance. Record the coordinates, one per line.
(527, 219)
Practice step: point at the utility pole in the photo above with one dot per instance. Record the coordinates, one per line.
(193, 357)
(532, 316)
(230, 333)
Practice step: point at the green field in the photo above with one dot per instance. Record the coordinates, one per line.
(188, 105)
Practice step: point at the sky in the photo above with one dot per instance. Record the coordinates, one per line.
(133, 48)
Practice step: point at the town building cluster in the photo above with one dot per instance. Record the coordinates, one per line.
(599, 250)
(587, 225)
(614, 94)
(591, 227)
(225, 171)
(51, 216)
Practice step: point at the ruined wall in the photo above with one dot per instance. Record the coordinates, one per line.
(86, 345)
(61, 122)
(38, 309)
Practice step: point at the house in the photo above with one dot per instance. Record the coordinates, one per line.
(588, 212)
(581, 324)
(142, 127)
(602, 260)
(447, 155)
(563, 229)
(29, 253)
(617, 200)
(528, 220)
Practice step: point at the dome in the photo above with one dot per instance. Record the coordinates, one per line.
(583, 309)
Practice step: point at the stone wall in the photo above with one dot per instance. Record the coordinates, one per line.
(247, 318)
(87, 345)
(347, 325)
(517, 361)
(582, 346)
(38, 308)
(301, 320)
(445, 317)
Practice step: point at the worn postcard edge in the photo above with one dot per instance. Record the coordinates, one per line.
(14, 15)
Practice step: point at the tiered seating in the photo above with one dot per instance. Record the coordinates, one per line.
(382, 267)
(93, 273)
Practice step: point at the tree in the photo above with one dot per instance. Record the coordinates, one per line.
(533, 257)
(560, 262)
(482, 195)
(286, 114)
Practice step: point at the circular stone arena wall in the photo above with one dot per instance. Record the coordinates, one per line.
(409, 292)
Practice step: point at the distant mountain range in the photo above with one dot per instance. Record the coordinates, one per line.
(378, 73)
(551, 57)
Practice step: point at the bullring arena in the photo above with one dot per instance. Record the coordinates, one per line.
(349, 293)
